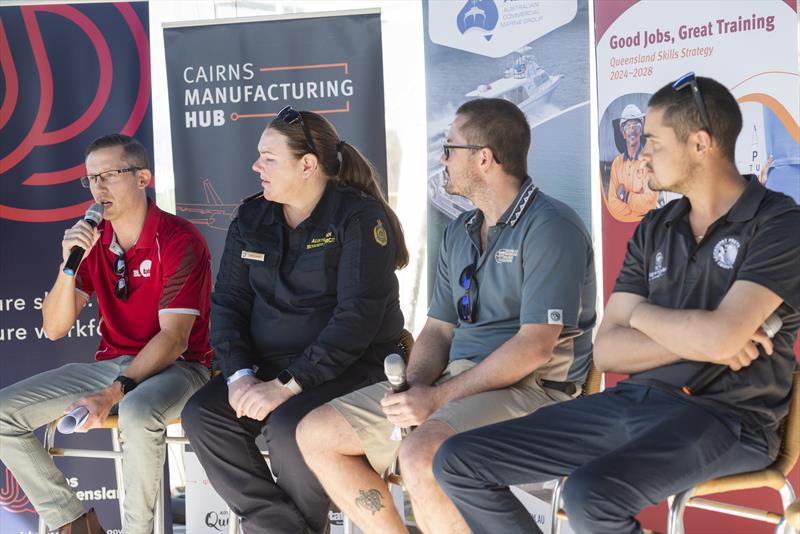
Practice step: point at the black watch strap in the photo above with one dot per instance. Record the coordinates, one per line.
(127, 384)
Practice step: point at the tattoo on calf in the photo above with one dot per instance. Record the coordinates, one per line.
(370, 500)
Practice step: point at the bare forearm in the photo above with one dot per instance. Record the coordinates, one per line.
(510, 363)
(428, 358)
(691, 334)
(619, 349)
(58, 308)
(160, 352)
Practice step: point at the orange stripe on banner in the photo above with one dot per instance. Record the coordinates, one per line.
(301, 67)
(762, 73)
(236, 116)
(783, 114)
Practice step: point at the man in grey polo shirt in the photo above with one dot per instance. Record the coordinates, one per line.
(508, 331)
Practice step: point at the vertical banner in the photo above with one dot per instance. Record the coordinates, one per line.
(70, 73)
(751, 47)
(227, 81)
(532, 53)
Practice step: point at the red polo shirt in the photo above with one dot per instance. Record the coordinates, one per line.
(168, 271)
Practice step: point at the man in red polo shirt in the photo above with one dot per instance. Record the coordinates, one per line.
(152, 274)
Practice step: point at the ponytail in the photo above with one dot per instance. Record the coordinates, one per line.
(357, 171)
(344, 164)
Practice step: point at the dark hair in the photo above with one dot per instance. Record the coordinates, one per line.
(501, 125)
(681, 113)
(133, 152)
(353, 169)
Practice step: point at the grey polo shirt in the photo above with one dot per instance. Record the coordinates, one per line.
(758, 240)
(538, 268)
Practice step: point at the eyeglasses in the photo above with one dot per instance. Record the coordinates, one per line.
(632, 125)
(106, 177)
(121, 270)
(689, 79)
(290, 115)
(447, 148)
(467, 306)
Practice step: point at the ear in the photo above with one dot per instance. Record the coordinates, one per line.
(702, 142)
(487, 159)
(309, 164)
(143, 177)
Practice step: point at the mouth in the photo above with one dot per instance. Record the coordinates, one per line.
(105, 203)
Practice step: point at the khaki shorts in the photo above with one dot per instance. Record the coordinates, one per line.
(362, 410)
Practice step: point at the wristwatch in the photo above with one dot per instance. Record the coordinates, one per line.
(287, 379)
(127, 384)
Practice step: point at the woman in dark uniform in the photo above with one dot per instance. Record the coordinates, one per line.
(304, 310)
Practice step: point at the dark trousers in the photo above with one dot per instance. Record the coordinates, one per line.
(627, 448)
(226, 448)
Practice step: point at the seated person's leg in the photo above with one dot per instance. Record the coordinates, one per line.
(35, 402)
(672, 446)
(476, 468)
(143, 415)
(226, 448)
(347, 446)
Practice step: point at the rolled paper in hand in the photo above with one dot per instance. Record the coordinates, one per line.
(73, 420)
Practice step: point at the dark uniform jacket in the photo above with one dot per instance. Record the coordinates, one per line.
(313, 300)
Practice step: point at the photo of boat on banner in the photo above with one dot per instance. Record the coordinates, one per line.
(545, 77)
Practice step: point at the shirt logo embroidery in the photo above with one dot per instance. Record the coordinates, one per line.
(379, 233)
(143, 270)
(316, 242)
(555, 317)
(505, 255)
(658, 269)
(725, 252)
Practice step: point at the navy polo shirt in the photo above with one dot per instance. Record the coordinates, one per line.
(758, 240)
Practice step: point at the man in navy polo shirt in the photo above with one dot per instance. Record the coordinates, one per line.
(700, 277)
(152, 274)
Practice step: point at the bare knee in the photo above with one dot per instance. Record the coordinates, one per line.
(416, 459)
(323, 430)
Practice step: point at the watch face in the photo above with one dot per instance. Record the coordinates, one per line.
(284, 377)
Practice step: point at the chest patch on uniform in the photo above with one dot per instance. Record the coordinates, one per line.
(316, 242)
(379, 233)
(256, 256)
(658, 268)
(725, 252)
(505, 255)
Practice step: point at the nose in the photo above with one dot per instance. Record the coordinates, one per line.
(257, 166)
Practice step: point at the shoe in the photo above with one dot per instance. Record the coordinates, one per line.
(85, 524)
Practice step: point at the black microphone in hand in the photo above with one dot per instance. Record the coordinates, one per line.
(712, 371)
(394, 366)
(93, 217)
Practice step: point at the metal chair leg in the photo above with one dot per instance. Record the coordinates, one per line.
(677, 506)
(555, 506)
(787, 498)
(233, 522)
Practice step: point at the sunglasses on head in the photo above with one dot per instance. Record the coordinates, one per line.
(121, 270)
(467, 306)
(689, 80)
(290, 115)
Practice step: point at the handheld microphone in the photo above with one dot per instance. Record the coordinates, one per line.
(703, 378)
(93, 216)
(394, 366)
